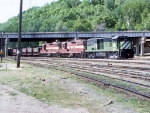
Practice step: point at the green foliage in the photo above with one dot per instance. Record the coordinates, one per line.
(95, 2)
(109, 21)
(83, 15)
(109, 4)
(41, 42)
(12, 45)
(82, 25)
(24, 44)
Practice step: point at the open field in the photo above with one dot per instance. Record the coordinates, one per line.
(65, 92)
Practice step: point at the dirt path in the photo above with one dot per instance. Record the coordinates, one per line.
(13, 101)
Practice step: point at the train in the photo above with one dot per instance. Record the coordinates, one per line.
(117, 47)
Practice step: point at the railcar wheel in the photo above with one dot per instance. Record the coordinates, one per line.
(108, 56)
(89, 56)
(93, 56)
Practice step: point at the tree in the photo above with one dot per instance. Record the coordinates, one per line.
(109, 4)
(132, 12)
(60, 27)
(95, 2)
(108, 21)
(67, 15)
(83, 25)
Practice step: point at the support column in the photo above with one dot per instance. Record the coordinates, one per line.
(6, 47)
(137, 49)
(142, 49)
(2, 48)
(143, 40)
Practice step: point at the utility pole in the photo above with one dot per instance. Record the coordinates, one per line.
(19, 35)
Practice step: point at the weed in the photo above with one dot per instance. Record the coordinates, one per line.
(13, 94)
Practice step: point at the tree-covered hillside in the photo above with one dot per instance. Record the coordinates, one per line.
(85, 15)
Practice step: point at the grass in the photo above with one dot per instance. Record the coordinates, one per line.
(140, 105)
(12, 94)
(115, 82)
(31, 84)
(54, 90)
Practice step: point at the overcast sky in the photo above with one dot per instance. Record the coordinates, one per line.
(10, 8)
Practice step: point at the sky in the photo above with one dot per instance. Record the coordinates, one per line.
(10, 8)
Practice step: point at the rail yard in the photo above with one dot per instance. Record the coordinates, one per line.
(131, 76)
(106, 62)
(75, 56)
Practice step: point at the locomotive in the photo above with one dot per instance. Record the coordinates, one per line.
(71, 49)
(118, 47)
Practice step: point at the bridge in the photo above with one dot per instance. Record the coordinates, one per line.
(139, 38)
(39, 36)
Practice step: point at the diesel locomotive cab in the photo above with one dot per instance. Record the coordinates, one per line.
(125, 47)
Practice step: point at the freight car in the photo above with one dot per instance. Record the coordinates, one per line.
(10, 52)
(36, 51)
(24, 52)
(119, 47)
(29, 51)
(14, 51)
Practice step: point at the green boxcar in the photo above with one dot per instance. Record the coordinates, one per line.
(115, 47)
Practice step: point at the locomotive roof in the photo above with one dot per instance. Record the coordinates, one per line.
(114, 37)
(99, 38)
(120, 37)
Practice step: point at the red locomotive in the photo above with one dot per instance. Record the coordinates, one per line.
(50, 49)
(72, 48)
(63, 49)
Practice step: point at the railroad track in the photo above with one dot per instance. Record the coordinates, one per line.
(126, 70)
(131, 61)
(135, 88)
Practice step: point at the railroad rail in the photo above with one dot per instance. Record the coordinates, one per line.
(129, 69)
(102, 74)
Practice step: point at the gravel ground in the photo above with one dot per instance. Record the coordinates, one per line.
(13, 101)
